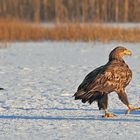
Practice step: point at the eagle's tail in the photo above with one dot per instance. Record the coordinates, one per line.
(87, 96)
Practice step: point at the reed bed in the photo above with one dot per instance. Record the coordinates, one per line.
(13, 30)
(94, 32)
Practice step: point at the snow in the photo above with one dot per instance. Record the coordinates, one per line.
(120, 25)
(40, 79)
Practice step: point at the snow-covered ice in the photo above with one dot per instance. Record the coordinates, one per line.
(40, 79)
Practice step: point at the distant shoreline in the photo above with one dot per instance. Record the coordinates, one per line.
(109, 24)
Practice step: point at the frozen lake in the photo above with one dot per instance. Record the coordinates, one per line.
(40, 79)
(120, 25)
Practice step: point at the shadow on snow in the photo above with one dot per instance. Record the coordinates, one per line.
(77, 118)
(69, 118)
(116, 111)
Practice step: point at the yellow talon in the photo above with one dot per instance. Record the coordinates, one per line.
(109, 115)
(130, 109)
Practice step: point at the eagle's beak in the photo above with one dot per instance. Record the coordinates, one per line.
(127, 52)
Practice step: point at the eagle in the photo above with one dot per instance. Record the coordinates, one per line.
(114, 76)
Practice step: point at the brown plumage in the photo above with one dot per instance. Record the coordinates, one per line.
(113, 76)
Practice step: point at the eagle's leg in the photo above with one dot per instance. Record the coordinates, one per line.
(103, 104)
(108, 115)
(131, 108)
(123, 97)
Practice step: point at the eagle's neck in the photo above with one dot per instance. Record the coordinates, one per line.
(116, 59)
(115, 56)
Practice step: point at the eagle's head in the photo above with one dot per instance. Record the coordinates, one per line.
(118, 53)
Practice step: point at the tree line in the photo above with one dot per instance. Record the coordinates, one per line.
(71, 10)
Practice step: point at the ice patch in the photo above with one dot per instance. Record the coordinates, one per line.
(40, 80)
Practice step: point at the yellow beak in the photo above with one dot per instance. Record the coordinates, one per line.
(127, 52)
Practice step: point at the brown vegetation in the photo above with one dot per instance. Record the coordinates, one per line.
(71, 10)
(21, 31)
(94, 32)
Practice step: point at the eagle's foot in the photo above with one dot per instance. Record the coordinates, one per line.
(109, 115)
(130, 109)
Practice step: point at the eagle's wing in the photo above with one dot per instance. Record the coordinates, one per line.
(89, 79)
(104, 83)
(114, 78)
(84, 86)
(108, 78)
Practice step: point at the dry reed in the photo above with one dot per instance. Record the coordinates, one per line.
(20, 31)
(76, 32)
(13, 30)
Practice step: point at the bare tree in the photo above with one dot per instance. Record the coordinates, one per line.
(104, 10)
(116, 10)
(85, 6)
(126, 11)
(72, 10)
